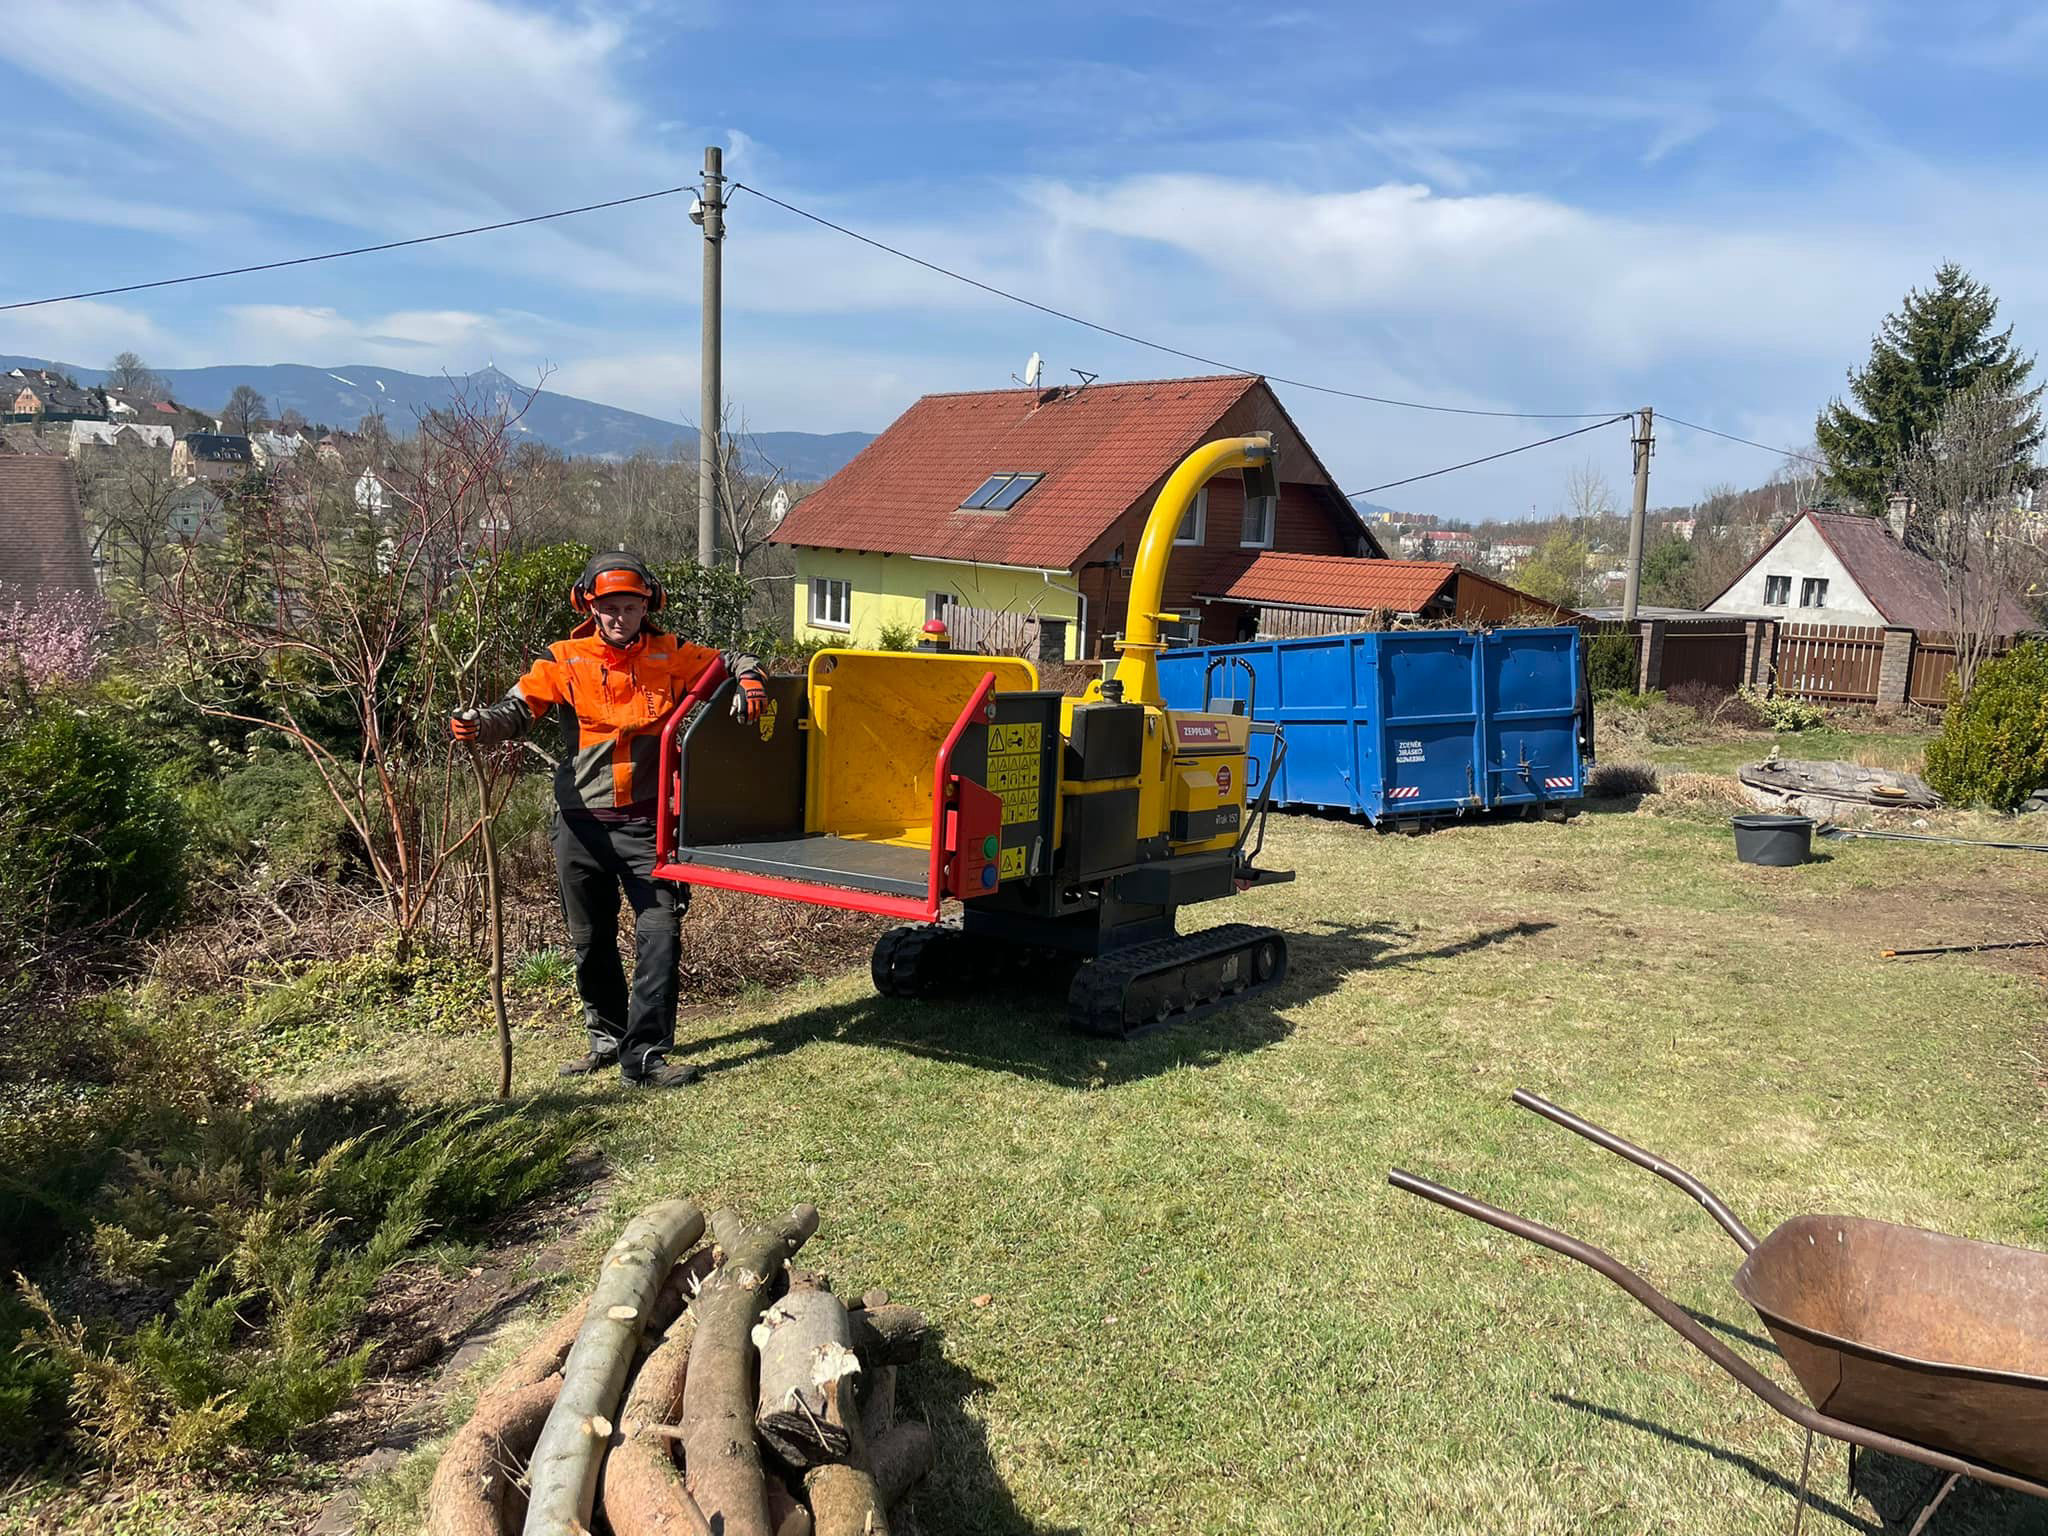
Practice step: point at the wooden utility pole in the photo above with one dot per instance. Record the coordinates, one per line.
(710, 212)
(1644, 443)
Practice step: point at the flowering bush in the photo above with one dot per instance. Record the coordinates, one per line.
(50, 640)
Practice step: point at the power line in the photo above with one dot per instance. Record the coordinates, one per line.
(1156, 346)
(1766, 447)
(360, 250)
(1489, 458)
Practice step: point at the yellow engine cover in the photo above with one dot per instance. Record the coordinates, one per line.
(1205, 766)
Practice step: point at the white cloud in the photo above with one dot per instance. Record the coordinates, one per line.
(86, 332)
(395, 117)
(1615, 292)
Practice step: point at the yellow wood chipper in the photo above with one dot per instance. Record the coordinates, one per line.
(895, 782)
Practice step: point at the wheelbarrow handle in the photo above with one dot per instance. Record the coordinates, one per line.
(1671, 1172)
(1681, 1322)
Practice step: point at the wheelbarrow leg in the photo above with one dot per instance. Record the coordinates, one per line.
(1805, 1470)
(1927, 1514)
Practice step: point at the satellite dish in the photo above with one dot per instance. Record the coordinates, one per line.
(1032, 371)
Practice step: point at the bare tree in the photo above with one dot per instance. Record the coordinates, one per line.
(1796, 483)
(244, 409)
(1966, 481)
(1587, 495)
(127, 501)
(129, 374)
(748, 508)
(376, 619)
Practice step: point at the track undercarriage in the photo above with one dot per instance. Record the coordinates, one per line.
(1115, 995)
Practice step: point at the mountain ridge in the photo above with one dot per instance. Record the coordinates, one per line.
(342, 395)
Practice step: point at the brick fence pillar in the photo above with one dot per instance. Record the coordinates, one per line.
(1650, 656)
(1752, 634)
(1766, 655)
(1895, 673)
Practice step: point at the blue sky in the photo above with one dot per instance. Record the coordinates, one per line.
(1516, 206)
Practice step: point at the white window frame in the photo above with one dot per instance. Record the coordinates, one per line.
(936, 603)
(1783, 601)
(1199, 511)
(1815, 587)
(1272, 522)
(823, 590)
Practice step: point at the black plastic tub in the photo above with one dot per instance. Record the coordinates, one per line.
(1773, 839)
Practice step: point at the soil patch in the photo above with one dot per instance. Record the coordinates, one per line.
(1873, 921)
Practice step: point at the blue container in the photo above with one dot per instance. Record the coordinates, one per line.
(1423, 723)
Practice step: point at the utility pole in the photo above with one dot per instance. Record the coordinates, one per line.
(1644, 444)
(710, 212)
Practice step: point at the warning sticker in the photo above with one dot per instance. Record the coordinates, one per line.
(1015, 770)
(1011, 773)
(1013, 863)
(1025, 737)
(1407, 751)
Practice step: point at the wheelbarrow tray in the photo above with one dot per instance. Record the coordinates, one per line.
(1936, 1339)
(1905, 1341)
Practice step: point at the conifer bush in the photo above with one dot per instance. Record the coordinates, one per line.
(1993, 747)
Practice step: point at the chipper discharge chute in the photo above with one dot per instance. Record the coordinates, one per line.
(894, 782)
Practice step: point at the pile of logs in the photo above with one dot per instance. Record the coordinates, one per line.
(696, 1390)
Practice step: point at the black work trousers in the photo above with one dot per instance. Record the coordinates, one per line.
(595, 861)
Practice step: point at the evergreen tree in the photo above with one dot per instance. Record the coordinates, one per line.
(1939, 341)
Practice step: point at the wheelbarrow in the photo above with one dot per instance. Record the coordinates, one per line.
(1914, 1343)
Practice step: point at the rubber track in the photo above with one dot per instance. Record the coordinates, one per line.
(899, 958)
(1095, 1005)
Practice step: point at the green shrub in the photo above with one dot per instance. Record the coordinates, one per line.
(272, 809)
(79, 1084)
(898, 637)
(266, 1249)
(1781, 712)
(87, 836)
(1993, 747)
(1611, 664)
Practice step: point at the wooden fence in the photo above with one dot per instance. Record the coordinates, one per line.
(1710, 652)
(1006, 632)
(1834, 663)
(1934, 663)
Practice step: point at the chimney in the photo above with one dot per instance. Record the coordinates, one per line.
(1897, 508)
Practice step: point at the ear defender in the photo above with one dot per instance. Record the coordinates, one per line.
(616, 572)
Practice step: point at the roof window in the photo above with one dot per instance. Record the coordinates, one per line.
(1000, 492)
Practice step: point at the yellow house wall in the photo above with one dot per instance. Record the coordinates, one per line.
(891, 589)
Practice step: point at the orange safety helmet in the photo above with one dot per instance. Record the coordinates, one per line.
(616, 571)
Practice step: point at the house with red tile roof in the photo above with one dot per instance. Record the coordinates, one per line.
(1828, 567)
(1031, 502)
(1288, 594)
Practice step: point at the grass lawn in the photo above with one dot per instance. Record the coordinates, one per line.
(1876, 749)
(1209, 1312)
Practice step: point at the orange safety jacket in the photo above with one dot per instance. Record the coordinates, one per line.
(612, 703)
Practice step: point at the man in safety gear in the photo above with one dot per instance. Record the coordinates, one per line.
(613, 684)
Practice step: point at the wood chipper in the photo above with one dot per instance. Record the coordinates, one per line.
(895, 782)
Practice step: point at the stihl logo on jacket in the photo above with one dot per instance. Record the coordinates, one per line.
(613, 703)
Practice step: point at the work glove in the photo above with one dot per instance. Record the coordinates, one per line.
(750, 698)
(463, 724)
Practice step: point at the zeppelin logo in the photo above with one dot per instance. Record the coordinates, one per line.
(1223, 780)
(1405, 792)
(1200, 733)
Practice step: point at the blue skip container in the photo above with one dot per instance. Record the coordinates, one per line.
(1408, 725)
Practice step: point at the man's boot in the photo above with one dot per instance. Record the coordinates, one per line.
(587, 1063)
(665, 1074)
